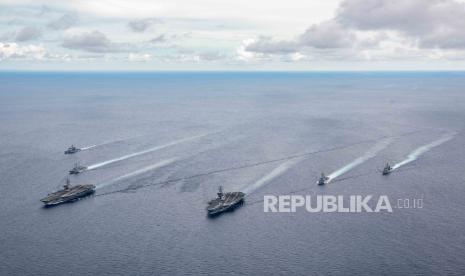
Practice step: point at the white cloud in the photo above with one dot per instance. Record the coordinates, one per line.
(15, 51)
(139, 57)
(328, 34)
(375, 30)
(242, 31)
(432, 23)
(297, 56)
(266, 44)
(263, 12)
(245, 55)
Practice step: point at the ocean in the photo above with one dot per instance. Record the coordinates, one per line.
(158, 146)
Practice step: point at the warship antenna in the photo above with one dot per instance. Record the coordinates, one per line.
(67, 183)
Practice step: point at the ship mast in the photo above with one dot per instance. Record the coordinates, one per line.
(66, 186)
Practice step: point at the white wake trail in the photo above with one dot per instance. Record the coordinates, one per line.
(106, 143)
(140, 171)
(90, 147)
(98, 165)
(421, 150)
(272, 175)
(368, 155)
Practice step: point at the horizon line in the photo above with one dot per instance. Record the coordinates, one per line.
(231, 71)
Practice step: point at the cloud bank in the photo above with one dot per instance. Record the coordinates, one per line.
(27, 34)
(94, 42)
(241, 33)
(142, 25)
(363, 28)
(15, 51)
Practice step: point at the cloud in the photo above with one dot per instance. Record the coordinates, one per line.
(139, 57)
(64, 22)
(266, 44)
(95, 42)
(8, 36)
(432, 23)
(338, 31)
(141, 25)
(382, 14)
(15, 51)
(326, 35)
(369, 29)
(159, 39)
(44, 10)
(28, 33)
(211, 56)
(98, 42)
(246, 54)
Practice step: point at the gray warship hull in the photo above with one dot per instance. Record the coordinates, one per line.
(387, 169)
(68, 195)
(77, 170)
(228, 202)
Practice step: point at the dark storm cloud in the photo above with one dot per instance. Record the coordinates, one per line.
(64, 22)
(142, 25)
(95, 42)
(28, 33)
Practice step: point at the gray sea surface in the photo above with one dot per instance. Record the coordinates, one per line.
(160, 144)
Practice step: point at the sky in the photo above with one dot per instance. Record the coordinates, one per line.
(275, 35)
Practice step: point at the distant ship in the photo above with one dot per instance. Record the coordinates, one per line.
(72, 149)
(224, 202)
(68, 193)
(77, 169)
(323, 179)
(387, 169)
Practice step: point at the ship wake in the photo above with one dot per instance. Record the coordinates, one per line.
(91, 147)
(106, 143)
(423, 149)
(155, 166)
(362, 159)
(272, 175)
(108, 162)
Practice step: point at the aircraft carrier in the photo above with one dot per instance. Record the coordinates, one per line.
(224, 202)
(68, 193)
